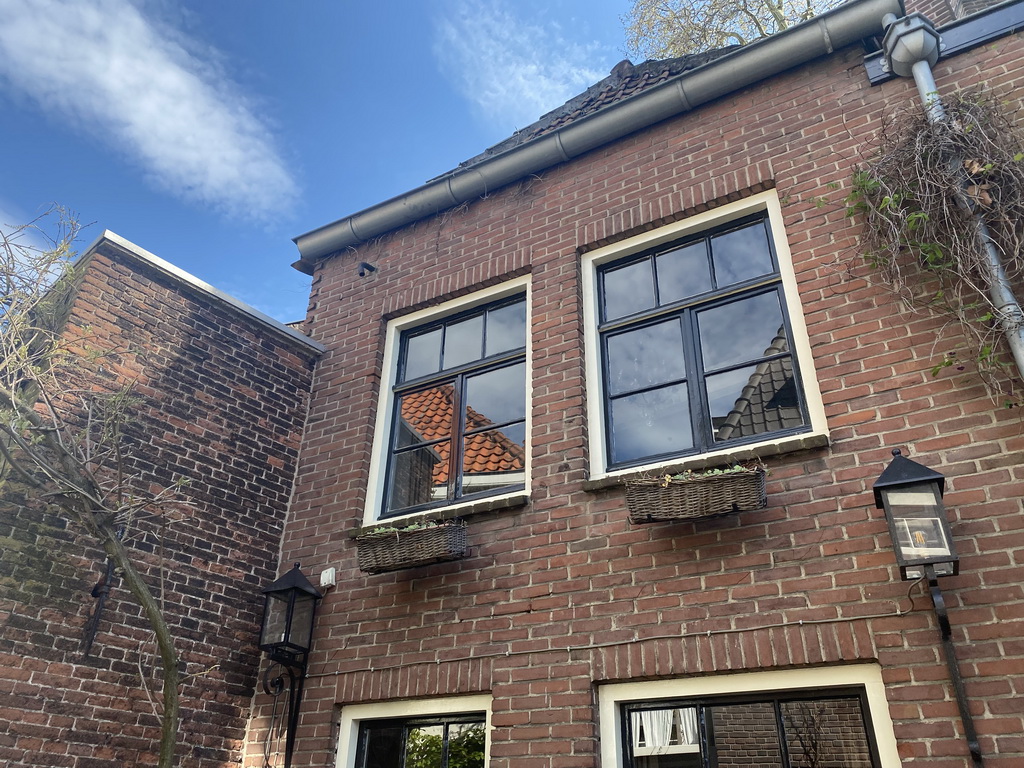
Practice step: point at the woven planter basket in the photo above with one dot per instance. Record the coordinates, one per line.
(382, 551)
(651, 499)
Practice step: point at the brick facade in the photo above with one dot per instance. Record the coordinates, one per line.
(222, 395)
(561, 595)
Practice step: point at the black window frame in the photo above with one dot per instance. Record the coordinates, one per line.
(686, 310)
(457, 376)
(708, 748)
(407, 723)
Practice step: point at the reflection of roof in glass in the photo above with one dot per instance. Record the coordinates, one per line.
(429, 414)
(768, 402)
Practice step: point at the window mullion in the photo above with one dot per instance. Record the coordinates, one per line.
(455, 459)
(700, 421)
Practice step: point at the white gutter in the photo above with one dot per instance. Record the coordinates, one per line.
(838, 28)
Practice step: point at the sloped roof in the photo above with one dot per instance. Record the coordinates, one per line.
(625, 80)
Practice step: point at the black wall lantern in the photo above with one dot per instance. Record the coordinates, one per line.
(287, 636)
(911, 495)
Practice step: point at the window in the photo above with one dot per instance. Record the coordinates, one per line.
(447, 732)
(795, 718)
(455, 412)
(698, 348)
(433, 742)
(795, 730)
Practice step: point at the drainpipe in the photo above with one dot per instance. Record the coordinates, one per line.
(911, 47)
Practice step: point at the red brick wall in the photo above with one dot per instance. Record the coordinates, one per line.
(222, 397)
(563, 592)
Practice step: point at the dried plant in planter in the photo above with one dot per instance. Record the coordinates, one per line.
(921, 198)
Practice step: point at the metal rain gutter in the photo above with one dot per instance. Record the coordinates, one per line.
(753, 63)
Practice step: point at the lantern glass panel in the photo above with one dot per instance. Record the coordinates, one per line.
(301, 635)
(275, 619)
(920, 528)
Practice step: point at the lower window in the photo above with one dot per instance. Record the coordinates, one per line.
(429, 742)
(799, 730)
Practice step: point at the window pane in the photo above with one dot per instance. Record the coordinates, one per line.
(494, 459)
(424, 747)
(422, 354)
(466, 744)
(665, 738)
(382, 747)
(650, 423)
(419, 476)
(741, 254)
(425, 415)
(628, 289)
(646, 357)
(742, 331)
(754, 400)
(826, 734)
(496, 397)
(683, 272)
(745, 735)
(506, 328)
(463, 341)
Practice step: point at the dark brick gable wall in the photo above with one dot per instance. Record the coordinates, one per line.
(563, 593)
(221, 403)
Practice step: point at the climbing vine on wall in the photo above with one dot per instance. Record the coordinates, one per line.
(921, 197)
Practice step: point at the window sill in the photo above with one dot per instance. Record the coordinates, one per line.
(707, 460)
(467, 509)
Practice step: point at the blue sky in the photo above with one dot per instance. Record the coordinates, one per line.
(211, 132)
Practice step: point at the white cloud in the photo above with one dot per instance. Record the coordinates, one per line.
(513, 71)
(143, 89)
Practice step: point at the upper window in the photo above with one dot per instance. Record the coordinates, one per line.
(697, 346)
(458, 410)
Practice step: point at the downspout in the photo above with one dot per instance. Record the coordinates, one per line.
(911, 47)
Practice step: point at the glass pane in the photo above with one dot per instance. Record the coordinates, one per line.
(665, 738)
(646, 357)
(628, 289)
(741, 254)
(754, 400)
(650, 423)
(302, 621)
(506, 328)
(424, 747)
(422, 354)
(745, 735)
(275, 617)
(419, 476)
(826, 734)
(744, 330)
(463, 341)
(466, 743)
(683, 272)
(425, 415)
(496, 397)
(494, 459)
(382, 746)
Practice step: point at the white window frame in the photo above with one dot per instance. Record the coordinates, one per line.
(764, 202)
(352, 715)
(386, 401)
(612, 697)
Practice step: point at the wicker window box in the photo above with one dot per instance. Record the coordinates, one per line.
(695, 496)
(392, 549)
